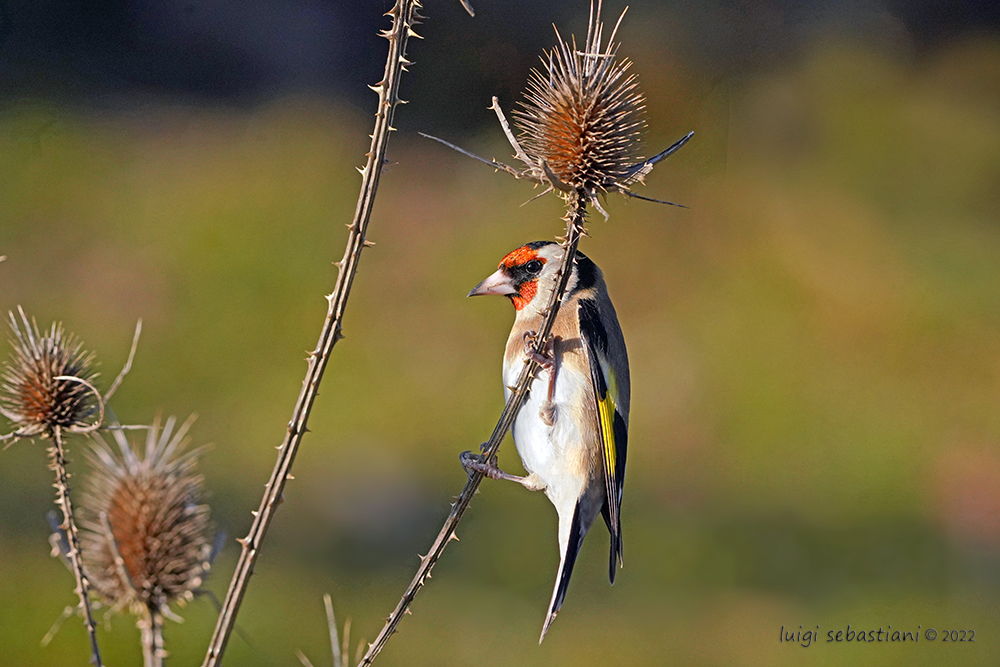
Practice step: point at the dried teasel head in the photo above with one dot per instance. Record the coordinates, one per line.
(582, 118)
(581, 123)
(47, 382)
(146, 539)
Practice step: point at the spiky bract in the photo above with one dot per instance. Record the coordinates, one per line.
(48, 380)
(583, 115)
(146, 539)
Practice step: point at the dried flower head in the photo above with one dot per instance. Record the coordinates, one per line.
(48, 380)
(146, 536)
(581, 123)
(583, 113)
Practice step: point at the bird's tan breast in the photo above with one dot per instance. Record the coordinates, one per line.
(574, 394)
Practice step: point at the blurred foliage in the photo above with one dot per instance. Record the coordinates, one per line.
(815, 345)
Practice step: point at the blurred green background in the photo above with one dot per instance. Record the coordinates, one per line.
(815, 342)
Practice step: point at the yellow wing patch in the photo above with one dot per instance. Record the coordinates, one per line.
(606, 415)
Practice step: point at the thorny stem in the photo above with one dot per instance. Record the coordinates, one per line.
(505, 126)
(151, 628)
(58, 464)
(404, 18)
(574, 230)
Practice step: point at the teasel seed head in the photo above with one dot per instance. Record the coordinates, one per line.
(47, 381)
(583, 115)
(581, 124)
(146, 541)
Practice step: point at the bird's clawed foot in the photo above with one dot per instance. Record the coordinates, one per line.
(478, 463)
(547, 358)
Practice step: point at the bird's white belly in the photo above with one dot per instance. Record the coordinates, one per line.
(553, 453)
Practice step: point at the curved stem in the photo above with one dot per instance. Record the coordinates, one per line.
(574, 230)
(58, 464)
(404, 18)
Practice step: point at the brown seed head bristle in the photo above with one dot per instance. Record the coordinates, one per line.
(583, 113)
(146, 538)
(31, 396)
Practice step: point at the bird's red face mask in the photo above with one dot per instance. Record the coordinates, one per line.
(516, 277)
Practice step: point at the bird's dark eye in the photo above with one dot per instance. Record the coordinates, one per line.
(533, 267)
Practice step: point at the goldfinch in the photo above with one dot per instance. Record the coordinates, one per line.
(572, 430)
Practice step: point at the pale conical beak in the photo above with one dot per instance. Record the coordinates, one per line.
(497, 283)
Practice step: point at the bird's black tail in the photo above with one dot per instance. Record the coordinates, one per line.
(576, 535)
(616, 544)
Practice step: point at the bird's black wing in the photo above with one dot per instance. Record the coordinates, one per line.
(612, 424)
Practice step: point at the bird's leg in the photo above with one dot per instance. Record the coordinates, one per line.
(478, 463)
(547, 360)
